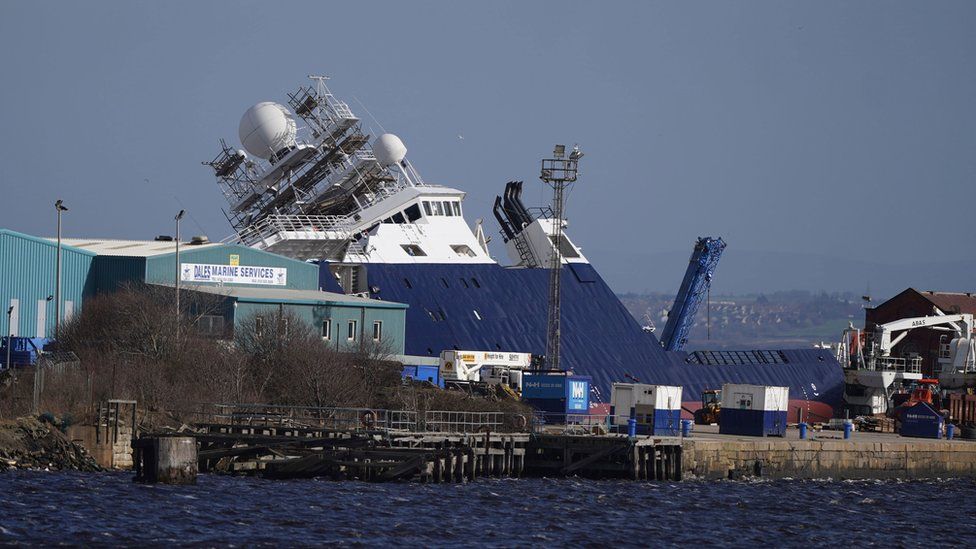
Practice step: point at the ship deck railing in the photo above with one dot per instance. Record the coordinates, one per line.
(901, 365)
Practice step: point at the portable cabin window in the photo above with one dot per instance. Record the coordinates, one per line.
(284, 326)
(351, 333)
(377, 330)
(427, 208)
(413, 250)
(398, 218)
(463, 249)
(447, 209)
(413, 213)
(327, 328)
(457, 208)
(259, 325)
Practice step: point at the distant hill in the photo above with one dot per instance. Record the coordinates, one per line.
(750, 272)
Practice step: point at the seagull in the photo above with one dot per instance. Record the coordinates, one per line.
(460, 137)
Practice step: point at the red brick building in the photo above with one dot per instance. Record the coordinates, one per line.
(912, 303)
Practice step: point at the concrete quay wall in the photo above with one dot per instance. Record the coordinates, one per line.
(838, 459)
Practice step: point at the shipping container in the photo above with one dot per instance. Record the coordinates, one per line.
(656, 408)
(753, 410)
(429, 374)
(921, 421)
(557, 395)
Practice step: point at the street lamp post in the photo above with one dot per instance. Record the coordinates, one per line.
(179, 216)
(10, 311)
(60, 207)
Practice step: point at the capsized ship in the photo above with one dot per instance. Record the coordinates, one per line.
(328, 192)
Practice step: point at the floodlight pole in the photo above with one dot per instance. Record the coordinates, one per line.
(557, 172)
(60, 207)
(10, 311)
(179, 216)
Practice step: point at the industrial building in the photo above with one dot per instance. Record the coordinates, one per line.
(911, 303)
(28, 271)
(247, 283)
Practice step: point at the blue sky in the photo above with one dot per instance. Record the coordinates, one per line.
(833, 130)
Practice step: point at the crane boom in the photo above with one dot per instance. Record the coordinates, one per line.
(693, 288)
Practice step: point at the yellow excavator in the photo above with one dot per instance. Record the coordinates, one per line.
(710, 409)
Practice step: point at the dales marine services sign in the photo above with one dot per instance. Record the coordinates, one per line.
(233, 274)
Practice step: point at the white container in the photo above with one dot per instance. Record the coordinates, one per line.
(755, 397)
(642, 399)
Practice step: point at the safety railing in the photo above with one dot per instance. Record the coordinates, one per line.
(892, 364)
(445, 421)
(309, 416)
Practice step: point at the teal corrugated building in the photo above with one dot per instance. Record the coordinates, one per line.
(250, 284)
(27, 283)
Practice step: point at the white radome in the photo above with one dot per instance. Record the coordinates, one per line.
(266, 128)
(389, 150)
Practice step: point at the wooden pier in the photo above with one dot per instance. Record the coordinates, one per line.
(380, 446)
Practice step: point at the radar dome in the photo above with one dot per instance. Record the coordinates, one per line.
(267, 128)
(389, 149)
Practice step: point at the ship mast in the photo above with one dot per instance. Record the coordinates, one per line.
(557, 172)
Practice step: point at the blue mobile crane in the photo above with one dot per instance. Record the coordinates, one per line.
(694, 287)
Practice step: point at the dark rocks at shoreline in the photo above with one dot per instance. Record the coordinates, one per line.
(29, 443)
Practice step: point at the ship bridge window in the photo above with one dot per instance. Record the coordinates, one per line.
(427, 208)
(398, 218)
(413, 250)
(475, 282)
(463, 249)
(413, 212)
(388, 220)
(447, 209)
(437, 207)
(457, 208)
(566, 249)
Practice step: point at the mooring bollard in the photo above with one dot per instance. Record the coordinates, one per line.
(166, 460)
(686, 427)
(632, 427)
(803, 431)
(950, 431)
(848, 427)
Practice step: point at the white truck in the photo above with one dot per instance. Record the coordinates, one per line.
(485, 367)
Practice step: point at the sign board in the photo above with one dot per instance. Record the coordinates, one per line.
(233, 274)
(235, 259)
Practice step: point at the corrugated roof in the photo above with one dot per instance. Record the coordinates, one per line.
(276, 295)
(65, 245)
(132, 248)
(952, 302)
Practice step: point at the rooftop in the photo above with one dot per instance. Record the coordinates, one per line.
(131, 248)
(952, 302)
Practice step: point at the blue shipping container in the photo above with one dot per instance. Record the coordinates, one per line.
(756, 423)
(921, 421)
(430, 374)
(557, 394)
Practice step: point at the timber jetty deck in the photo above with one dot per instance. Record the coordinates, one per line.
(381, 446)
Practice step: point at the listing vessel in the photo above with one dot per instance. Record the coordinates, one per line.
(311, 183)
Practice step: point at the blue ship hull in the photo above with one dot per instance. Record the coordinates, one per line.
(490, 307)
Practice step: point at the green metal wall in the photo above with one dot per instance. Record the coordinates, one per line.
(27, 274)
(161, 269)
(393, 320)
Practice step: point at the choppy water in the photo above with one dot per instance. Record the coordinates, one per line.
(85, 509)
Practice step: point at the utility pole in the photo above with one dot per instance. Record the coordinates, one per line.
(60, 207)
(557, 172)
(179, 216)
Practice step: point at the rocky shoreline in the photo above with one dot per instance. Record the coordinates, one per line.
(29, 443)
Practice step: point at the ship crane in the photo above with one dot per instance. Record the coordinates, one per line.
(694, 287)
(960, 356)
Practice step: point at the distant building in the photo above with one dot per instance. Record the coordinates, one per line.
(913, 303)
